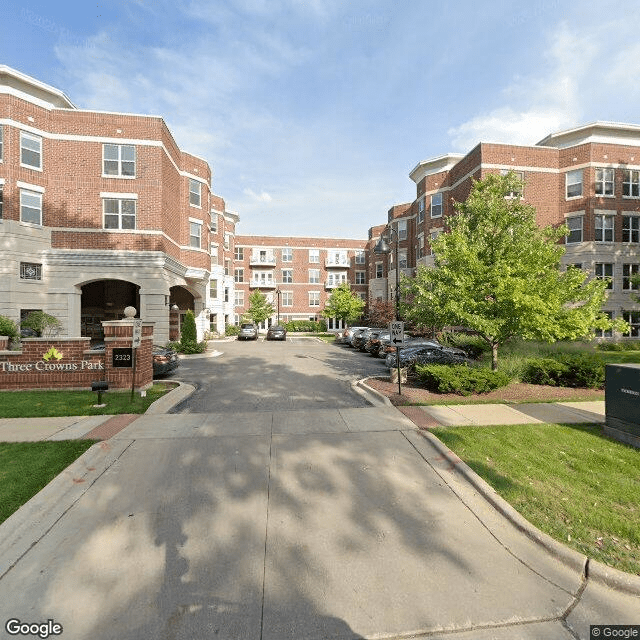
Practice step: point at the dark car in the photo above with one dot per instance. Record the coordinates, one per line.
(377, 342)
(248, 331)
(165, 360)
(277, 333)
(429, 354)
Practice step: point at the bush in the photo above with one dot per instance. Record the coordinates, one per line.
(8, 327)
(442, 378)
(544, 371)
(232, 330)
(566, 370)
(188, 332)
(630, 345)
(308, 326)
(473, 346)
(192, 347)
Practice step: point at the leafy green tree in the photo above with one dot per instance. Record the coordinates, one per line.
(188, 332)
(497, 273)
(8, 327)
(260, 309)
(344, 304)
(43, 323)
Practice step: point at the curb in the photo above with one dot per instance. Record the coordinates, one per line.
(376, 398)
(591, 569)
(171, 399)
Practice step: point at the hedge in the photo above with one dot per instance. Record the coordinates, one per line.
(460, 379)
(582, 370)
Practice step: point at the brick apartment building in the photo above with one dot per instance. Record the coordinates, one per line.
(587, 178)
(99, 211)
(297, 274)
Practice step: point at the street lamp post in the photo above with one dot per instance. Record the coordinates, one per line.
(278, 295)
(382, 248)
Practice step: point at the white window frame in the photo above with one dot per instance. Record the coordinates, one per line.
(628, 270)
(573, 230)
(287, 298)
(604, 227)
(401, 229)
(379, 270)
(287, 276)
(287, 254)
(314, 276)
(360, 257)
(214, 254)
(120, 200)
(633, 320)
(238, 298)
(571, 182)
(36, 195)
(605, 182)
(238, 274)
(361, 277)
(403, 260)
(314, 298)
(119, 161)
(213, 289)
(195, 234)
(436, 205)
(632, 230)
(24, 136)
(601, 269)
(631, 183)
(314, 256)
(421, 208)
(195, 197)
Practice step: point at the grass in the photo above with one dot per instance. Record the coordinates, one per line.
(27, 467)
(571, 482)
(32, 404)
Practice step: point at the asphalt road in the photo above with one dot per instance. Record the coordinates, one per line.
(299, 373)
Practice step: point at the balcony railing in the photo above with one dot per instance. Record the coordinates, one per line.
(262, 284)
(268, 259)
(337, 262)
(332, 284)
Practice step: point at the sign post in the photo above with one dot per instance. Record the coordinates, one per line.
(135, 343)
(396, 329)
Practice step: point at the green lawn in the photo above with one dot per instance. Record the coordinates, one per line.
(32, 404)
(571, 482)
(27, 467)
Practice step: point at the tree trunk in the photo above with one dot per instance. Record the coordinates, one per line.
(494, 357)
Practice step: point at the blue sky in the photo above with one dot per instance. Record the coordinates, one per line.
(312, 113)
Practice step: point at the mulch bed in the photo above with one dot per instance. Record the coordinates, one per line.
(514, 393)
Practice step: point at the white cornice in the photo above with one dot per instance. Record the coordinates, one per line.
(20, 85)
(595, 132)
(435, 165)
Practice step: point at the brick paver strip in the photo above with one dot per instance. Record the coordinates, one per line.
(111, 427)
(421, 419)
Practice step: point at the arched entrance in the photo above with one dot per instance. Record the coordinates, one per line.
(105, 300)
(184, 300)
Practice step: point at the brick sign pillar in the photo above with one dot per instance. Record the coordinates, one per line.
(118, 336)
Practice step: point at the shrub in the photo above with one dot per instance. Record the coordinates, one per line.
(544, 371)
(473, 346)
(442, 378)
(610, 346)
(192, 347)
(42, 323)
(310, 326)
(188, 331)
(232, 330)
(8, 327)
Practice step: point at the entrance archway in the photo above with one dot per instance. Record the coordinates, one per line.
(184, 300)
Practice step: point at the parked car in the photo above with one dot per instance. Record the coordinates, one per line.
(377, 342)
(248, 331)
(277, 333)
(366, 335)
(165, 360)
(429, 354)
(348, 334)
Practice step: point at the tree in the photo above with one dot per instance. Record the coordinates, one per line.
(42, 323)
(259, 307)
(497, 273)
(8, 327)
(380, 313)
(344, 304)
(188, 332)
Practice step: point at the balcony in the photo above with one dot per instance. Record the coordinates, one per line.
(263, 258)
(342, 262)
(334, 283)
(262, 283)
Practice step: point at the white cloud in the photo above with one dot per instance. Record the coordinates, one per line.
(258, 197)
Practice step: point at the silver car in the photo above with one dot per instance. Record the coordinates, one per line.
(248, 331)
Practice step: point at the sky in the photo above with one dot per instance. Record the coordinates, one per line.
(312, 113)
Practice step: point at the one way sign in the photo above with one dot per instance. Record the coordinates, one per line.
(396, 329)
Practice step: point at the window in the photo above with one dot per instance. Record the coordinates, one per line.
(604, 228)
(421, 209)
(195, 234)
(30, 151)
(30, 271)
(227, 267)
(1, 141)
(119, 213)
(226, 294)
(214, 255)
(238, 299)
(575, 229)
(378, 269)
(336, 279)
(238, 254)
(604, 182)
(287, 298)
(436, 205)
(287, 254)
(213, 289)
(361, 277)
(606, 333)
(520, 176)
(213, 227)
(631, 229)
(314, 276)
(314, 298)
(360, 256)
(227, 241)
(573, 183)
(314, 255)
(629, 270)
(631, 183)
(633, 319)
(194, 192)
(238, 275)
(402, 260)
(420, 248)
(402, 229)
(119, 160)
(287, 276)
(604, 271)
(432, 236)
(30, 207)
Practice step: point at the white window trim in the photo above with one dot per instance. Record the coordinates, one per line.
(33, 137)
(119, 196)
(35, 193)
(120, 229)
(604, 214)
(441, 205)
(119, 174)
(613, 181)
(191, 181)
(200, 225)
(623, 183)
(566, 184)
